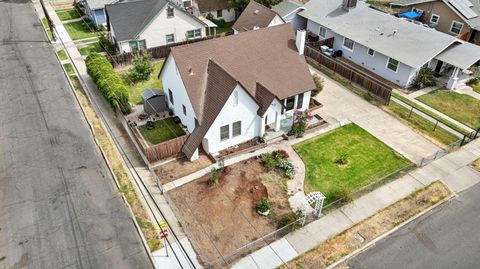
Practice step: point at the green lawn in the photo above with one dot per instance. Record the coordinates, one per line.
(69, 68)
(93, 47)
(62, 55)
(461, 107)
(368, 160)
(163, 130)
(79, 30)
(136, 89)
(476, 89)
(431, 114)
(440, 136)
(45, 25)
(67, 14)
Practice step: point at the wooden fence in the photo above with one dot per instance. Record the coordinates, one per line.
(373, 86)
(156, 52)
(159, 151)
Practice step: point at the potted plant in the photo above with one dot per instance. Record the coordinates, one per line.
(263, 207)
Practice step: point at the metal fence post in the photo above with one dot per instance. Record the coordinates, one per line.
(435, 126)
(410, 114)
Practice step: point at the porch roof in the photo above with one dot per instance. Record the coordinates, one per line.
(461, 55)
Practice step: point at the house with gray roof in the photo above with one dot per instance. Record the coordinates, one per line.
(385, 45)
(459, 18)
(141, 24)
(95, 10)
(230, 90)
(288, 10)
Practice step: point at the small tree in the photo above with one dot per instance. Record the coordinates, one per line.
(300, 123)
(318, 84)
(106, 44)
(142, 67)
(424, 78)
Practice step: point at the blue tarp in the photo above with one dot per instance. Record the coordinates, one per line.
(411, 15)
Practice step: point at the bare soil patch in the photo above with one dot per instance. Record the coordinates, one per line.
(181, 167)
(222, 218)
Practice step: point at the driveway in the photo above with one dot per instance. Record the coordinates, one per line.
(445, 238)
(339, 103)
(59, 206)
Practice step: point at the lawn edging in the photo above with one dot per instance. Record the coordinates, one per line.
(108, 163)
(374, 241)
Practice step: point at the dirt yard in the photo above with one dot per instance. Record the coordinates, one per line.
(222, 217)
(178, 168)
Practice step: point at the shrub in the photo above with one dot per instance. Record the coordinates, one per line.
(108, 82)
(300, 123)
(214, 176)
(142, 67)
(288, 219)
(269, 160)
(424, 78)
(106, 44)
(278, 160)
(473, 81)
(263, 206)
(219, 22)
(287, 168)
(318, 84)
(341, 159)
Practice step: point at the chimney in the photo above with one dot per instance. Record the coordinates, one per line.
(349, 4)
(300, 41)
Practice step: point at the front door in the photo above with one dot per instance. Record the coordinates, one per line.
(438, 67)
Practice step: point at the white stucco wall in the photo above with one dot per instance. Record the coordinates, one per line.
(276, 21)
(296, 21)
(245, 111)
(171, 80)
(376, 63)
(155, 33)
(227, 14)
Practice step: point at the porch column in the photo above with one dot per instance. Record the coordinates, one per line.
(453, 80)
(277, 121)
(262, 126)
(194, 156)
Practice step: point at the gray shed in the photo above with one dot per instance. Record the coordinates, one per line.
(154, 101)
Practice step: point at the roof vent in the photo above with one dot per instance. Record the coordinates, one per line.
(349, 4)
(190, 71)
(256, 27)
(256, 12)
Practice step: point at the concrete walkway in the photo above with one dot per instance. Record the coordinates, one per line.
(143, 180)
(412, 97)
(468, 90)
(453, 169)
(340, 103)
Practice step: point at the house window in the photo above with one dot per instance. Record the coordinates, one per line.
(392, 64)
(322, 32)
(170, 13)
(224, 132)
(348, 43)
(184, 110)
(290, 103)
(235, 98)
(170, 96)
(300, 101)
(371, 52)
(170, 38)
(194, 33)
(236, 128)
(219, 13)
(137, 45)
(187, 4)
(435, 18)
(456, 27)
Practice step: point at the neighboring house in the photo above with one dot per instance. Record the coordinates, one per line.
(218, 8)
(256, 16)
(233, 89)
(138, 25)
(288, 10)
(95, 10)
(390, 47)
(455, 17)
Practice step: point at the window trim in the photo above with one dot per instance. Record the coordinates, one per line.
(137, 43)
(434, 15)
(300, 102)
(221, 13)
(347, 48)
(173, 38)
(320, 32)
(184, 109)
(173, 12)
(228, 132)
(235, 98)
(286, 102)
(368, 52)
(233, 129)
(189, 1)
(193, 33)
(388, 62)
(451, 27)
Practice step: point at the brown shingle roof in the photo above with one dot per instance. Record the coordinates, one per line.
(264, 62)
(255, 14)
(211, 5)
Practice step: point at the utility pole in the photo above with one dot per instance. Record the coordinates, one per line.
(49, 20)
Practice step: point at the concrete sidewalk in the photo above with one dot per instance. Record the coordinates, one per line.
(341, 103)
(453, 169)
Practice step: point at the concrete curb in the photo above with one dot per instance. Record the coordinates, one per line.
(374, 241)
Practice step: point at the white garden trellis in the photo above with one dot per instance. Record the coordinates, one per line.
(313, 197)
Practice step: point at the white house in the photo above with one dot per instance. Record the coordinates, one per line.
(219, 9)
(256, 16)
(230, 90)
(138, 25)
(388, 46)
(95, 10)
(288, 10)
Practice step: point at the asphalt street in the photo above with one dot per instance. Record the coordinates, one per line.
(448, 237)
(59, 206)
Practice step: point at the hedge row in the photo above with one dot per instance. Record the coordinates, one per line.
(108, 82)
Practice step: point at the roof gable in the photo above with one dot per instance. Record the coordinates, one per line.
(254, 15)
